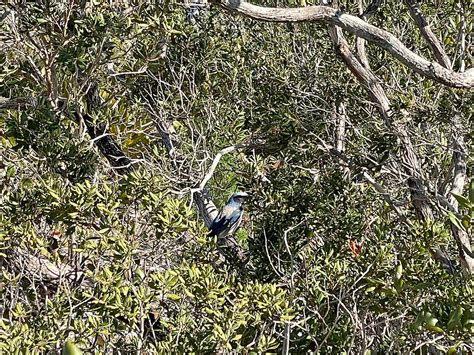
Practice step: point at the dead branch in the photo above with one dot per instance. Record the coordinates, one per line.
(214, 165)
(410, 162)
(340, 135)
(459, 180)
(18, 103)
(340, 131)
(360, 28)
(458, 160)
(360, 42)
(430, 38)
(45, 270)
(371, 83)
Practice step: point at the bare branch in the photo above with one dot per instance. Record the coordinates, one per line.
(459, 180)
(286, 342)
(360, 28)
(217, 158)
(17, 103)
(377, 93)
(214, 165)
(368, 80)
(459, 154)
(341, 119)
(435, 45)
(340, 134)
(409, 158)
(360, 42)
(45, 270)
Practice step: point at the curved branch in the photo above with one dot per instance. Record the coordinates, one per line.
(248, 144)
(214, 165)
(360, 28)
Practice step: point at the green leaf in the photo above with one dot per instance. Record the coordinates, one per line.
(463, 202)
(10, 171)
(434, 328)
(71, 349)
(454, 220)
(398, 271)
(455, 318)
(237, 337)
(425, 317)
(370, 289)
(139, 272)
(430, 319)
(173, 296)
(466, 221)
(218, 330)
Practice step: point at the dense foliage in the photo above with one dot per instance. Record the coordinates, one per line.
(332, 265)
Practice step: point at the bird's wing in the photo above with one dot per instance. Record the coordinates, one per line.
(217, 225)
(226, 218)
(231, 213)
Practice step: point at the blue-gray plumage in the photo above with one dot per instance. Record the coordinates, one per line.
(229, 218)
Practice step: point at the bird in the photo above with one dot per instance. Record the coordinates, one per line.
(229, 218)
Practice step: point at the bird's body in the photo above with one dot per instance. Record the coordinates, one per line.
(229, 218)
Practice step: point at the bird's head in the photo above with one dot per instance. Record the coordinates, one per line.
(239, 197)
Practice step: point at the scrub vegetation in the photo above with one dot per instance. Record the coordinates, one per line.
(123, 127)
